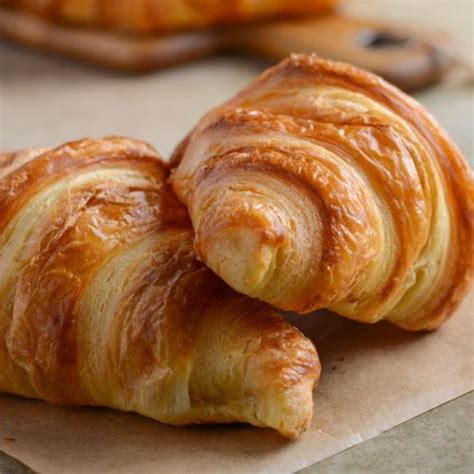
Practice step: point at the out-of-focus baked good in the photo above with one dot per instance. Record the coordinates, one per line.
(142, 16)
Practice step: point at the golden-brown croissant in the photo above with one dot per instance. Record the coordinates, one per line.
(143, 16)
(102, 301)
(321, 185)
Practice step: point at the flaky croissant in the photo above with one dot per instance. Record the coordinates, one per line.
(102, 301)
(142, 16)
(320, 185)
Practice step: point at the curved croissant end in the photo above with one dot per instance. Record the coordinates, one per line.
(142, 16)
(320, 185)
(102, 301)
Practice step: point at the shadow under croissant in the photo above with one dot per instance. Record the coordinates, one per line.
(340, 340)
(326, 329)
(111, 439)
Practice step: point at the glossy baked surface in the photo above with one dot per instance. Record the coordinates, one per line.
(322, 186)
(102, 301)
(142, 16)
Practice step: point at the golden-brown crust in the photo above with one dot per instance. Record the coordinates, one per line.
(102, 301)
(145, 16)
(328, 187)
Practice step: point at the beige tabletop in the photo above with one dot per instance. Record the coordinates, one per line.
(45, 101)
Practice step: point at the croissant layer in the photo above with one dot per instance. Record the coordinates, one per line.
(146, 16)
(102, 301)
(322, 186)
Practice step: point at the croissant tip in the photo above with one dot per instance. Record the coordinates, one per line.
(245, 256)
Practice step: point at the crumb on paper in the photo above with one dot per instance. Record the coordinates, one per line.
(9, 440)
(334, 367)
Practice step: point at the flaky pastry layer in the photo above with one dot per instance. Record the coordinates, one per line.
(322, 186)
(102, 301)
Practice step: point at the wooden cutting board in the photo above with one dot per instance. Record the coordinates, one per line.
(409, 58)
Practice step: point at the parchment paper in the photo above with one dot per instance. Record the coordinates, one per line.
(374, 378)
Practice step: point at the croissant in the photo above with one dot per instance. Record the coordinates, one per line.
(102, 301)
(145, 16)
(322, 186)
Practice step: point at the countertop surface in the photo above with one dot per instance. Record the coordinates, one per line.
(45, 101)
